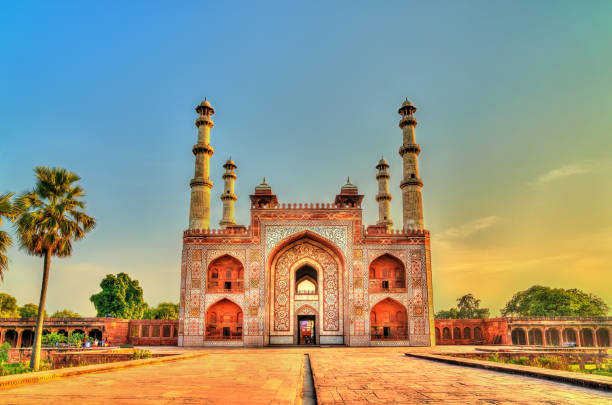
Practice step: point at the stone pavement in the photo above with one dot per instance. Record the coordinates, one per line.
(222, 377)
(273, 376)
(389, 377)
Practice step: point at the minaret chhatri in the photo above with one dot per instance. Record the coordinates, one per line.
(199, 210)
(383, 197)
(412, 199)
(228, 197)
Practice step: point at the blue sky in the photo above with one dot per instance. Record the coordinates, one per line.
(514, 123)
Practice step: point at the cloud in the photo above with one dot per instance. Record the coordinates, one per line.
(561, 172)
(465, 230)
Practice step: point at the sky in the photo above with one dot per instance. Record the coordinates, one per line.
(513, 99)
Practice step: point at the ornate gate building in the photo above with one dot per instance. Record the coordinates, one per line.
(306, 273)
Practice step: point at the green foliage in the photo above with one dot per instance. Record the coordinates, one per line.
(52, 215)
(165, 310)
(65, 313)
(7, 210)
(50, 339)
(8, 306)
(30, 311)
(19, 368)
(142, 354)
(522, 361)
(4, 352)
(553, 362)
(468, 307)
(121, 297)
(494, 357)
(546, 301)
(76, 339)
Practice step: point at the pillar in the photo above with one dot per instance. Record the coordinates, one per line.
(229, 196)
(199, 209)
(383, 197)
(544, 340)
(19, 333)
(411, 185)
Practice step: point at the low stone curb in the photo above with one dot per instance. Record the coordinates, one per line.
(568, 377)
(14, 380)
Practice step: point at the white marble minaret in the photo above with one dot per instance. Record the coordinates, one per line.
(412, 199)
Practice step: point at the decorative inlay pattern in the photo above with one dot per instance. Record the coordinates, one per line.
(282, 284)
(335, 234)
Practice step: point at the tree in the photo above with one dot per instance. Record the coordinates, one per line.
(468, 307)
(10, 211)
(121, 297)
(8, 306)
(546, 301)
(51, 217)
(30, 311)
(65, 313)
(165, 310)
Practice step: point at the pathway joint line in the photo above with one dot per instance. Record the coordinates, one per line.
(567, 377)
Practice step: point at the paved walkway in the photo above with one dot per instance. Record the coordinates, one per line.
(222, 377)
(388, 377)
(272, 376)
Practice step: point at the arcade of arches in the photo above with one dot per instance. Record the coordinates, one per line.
(560, 331)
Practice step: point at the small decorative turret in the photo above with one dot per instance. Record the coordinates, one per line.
(263, 197)
(349, 195)
(412, 199)
(383, 197)
(199, 210)
(229, 196)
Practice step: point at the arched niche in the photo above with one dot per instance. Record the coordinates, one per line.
(306, 280)
(387, 274)
(225, 274)
(390, 321)
(224, 321)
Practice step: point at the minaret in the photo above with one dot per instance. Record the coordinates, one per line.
(383, 197)
(229, 196)
(199, 211)
(412, 199)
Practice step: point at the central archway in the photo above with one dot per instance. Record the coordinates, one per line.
(305, 271)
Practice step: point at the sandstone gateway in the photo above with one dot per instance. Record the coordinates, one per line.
(308, 273)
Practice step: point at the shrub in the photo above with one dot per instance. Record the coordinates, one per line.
(554, 362)
(50, 339)
(494, 357)
(521, 361)
(142, 354)
(76, 339)
(4, 352)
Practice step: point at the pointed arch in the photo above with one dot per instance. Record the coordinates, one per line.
(387, 324)
(225, 274)
(224, 321)
(387, 273)
(295, 251)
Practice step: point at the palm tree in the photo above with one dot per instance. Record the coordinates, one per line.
(7, 210)
(52, 216)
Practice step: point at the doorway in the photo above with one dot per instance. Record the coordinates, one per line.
(307, 334)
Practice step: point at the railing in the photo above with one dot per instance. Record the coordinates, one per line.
(306, 292)
(302, 206)
(393, 336)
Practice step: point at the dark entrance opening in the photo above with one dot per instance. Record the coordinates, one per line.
(386, 331)
(226, 332)
(306, 330)
(228, 285)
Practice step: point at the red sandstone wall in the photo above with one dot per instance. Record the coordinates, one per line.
(493, 331)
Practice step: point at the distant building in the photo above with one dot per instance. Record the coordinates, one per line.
(307, 273)
(535, 331)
